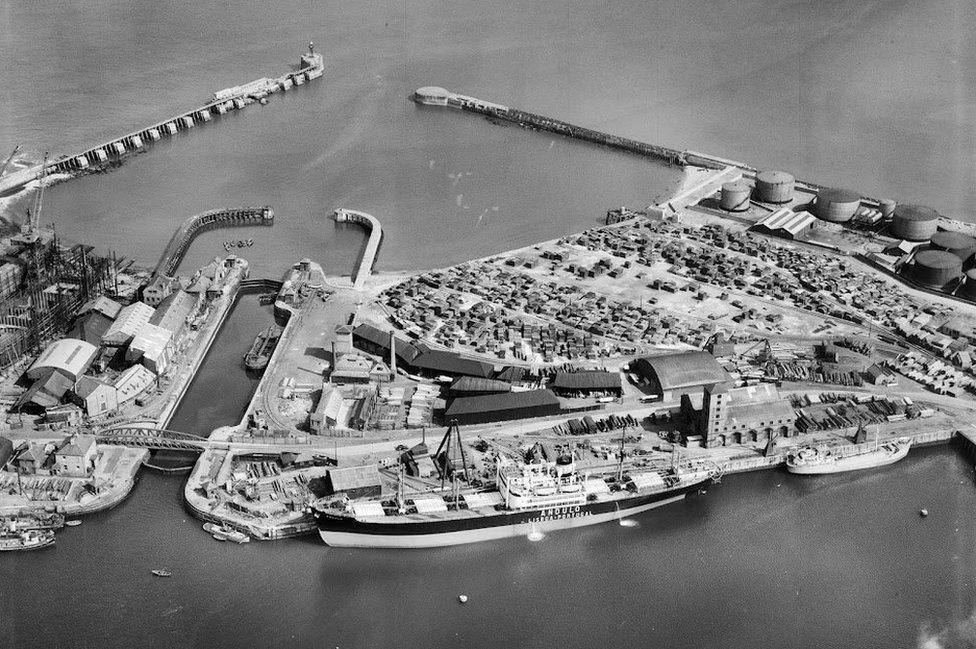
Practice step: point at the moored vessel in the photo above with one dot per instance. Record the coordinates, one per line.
(527, 499)
(260, 353)
(816, 460)
(26, 540)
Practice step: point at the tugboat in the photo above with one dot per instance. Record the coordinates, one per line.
(222, 533)
(260, 353)
(26, 540)
(817, 460)
(527, 499)
(32, 520)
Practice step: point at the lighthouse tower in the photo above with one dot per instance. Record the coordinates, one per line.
(313, 60)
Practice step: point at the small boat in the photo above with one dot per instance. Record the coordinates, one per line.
(260, 353)
(26, 540)
(73, 523)
(32, 520)
(249, 242)
(159, 572)
(223, 533)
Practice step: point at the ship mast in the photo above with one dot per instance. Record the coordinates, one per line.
(400, 502)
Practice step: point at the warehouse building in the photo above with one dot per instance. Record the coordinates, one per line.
(152, 346)
(672, 374)
(502, 407)
(728, 416)
(127, 324)
(470, 386)
(355, 481)
(69, 356)
(418, 358)
(173, 312)
(587, 383)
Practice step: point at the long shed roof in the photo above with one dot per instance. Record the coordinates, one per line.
(683, 369)
(504, 401)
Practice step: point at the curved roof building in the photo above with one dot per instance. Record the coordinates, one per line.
(68, 356)
(680, 371)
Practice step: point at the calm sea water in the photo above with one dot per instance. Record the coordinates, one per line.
(874, 95)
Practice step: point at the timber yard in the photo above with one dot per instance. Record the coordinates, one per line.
(747, 317)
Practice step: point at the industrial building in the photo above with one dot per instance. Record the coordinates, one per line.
(152, 346)
(128, 323)
(355, 481)
(69, 356)
(173, 312)
(502, 407)
(786, 223)
(470, 386)
(669, 374)
(586, 383)
(729, 416)
(94, 396)
(418, 358)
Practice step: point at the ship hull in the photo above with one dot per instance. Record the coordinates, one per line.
(348, 532)
(842, 465)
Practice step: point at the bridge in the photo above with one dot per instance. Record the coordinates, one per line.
(194, 225)
(372, 225)
(155, 439)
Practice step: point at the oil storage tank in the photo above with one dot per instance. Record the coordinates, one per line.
(774, 187)
(837, 205)
(735, 196)
(914, 222)
(934, 268)
(968, 290)
(959, 244)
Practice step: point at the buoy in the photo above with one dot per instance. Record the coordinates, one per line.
(924, 513)
(462, 598)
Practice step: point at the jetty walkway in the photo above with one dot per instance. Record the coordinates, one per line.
(368, 260)
(437, 96)
(117, 148)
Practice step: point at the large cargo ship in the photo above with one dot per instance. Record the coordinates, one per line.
(816, 460)
(526, 499)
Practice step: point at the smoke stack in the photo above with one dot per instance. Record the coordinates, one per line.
(393, 367)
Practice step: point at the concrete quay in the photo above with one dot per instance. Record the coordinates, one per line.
(375, 231)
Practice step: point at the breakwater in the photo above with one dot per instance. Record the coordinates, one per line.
(368, 260)
(111, 152)
(194, 225)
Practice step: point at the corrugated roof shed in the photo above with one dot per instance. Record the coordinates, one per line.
(470, 384)
(682, 370)
(172, 312)
(355, 477)
(586, 380)
(500, 402)
(436, 360)
(128, 323)
(69, 355)
(91, 327)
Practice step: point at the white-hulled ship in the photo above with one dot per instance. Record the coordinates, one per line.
(526, 499)
(815, 460)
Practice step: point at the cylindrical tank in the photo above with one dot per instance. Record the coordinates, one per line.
(837, 205)
(887, 207)
(959, 244)
(935, 268)
(735, 196)
(968, 290)
(914, 222)
(774, 187)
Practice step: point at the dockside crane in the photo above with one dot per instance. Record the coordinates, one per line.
(6, 164)
(30, 229)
